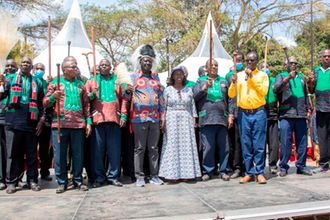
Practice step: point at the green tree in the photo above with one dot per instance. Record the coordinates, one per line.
(19, 5)
(321, 30)
(21, 49)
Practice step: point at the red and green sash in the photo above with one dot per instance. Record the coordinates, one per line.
(16, 94)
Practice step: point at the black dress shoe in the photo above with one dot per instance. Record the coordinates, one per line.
(305, 171)
(34, 186)
(97, 184)
(115, 183)
(46, 178)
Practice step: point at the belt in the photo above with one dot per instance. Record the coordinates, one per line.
(251, 111)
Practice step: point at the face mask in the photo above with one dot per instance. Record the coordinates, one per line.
(39, 74)
(267, 71)
(239, 66)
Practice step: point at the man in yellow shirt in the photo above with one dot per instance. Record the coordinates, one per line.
(251, 86)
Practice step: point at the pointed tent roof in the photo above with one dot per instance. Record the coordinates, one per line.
(74, 31)
(202, 53)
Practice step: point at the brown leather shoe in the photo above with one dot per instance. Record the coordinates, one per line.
(246, 179)
(261, 179)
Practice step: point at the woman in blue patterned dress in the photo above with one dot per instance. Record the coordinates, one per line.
(179, 157)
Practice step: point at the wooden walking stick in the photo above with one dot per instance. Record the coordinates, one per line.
(58, 107)
(211, 47)
(94, 55)
(49, 48)
(168, 57)
(266, 52)
(69, 45)
(235, 63)
(87, 60)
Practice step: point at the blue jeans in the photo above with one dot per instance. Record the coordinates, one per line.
(287, 126)
(106, 138)
(75, 139)
(252, 129)
(214, 140)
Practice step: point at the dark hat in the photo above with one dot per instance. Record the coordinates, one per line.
(147, 50)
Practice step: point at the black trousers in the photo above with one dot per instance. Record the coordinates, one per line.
(3, 154)
(18, 144)
(44, 151)
(273, 142)
(235, 161)
(88, 158)
(323, 132)
(127, 146)
(146, 136)
(199, 146)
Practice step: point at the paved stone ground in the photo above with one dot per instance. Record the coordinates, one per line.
(199, 200)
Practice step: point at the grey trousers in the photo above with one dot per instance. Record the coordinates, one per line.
(146, 135)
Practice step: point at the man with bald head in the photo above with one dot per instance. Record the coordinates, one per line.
(23, 125)
(294, 107)
(75, 122)
(320, 85)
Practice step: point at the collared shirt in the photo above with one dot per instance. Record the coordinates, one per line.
(322, 89)
(74, 106)
(3, 103)
(18, 117)
(190, 84)
(147, 99)
(212, 105)
(108, 105)
(271, 100)
(293, 96)
(251, 92)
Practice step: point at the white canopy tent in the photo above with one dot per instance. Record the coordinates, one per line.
(202, 53)
(74, 31)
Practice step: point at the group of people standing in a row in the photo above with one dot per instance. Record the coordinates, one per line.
(214, 126)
